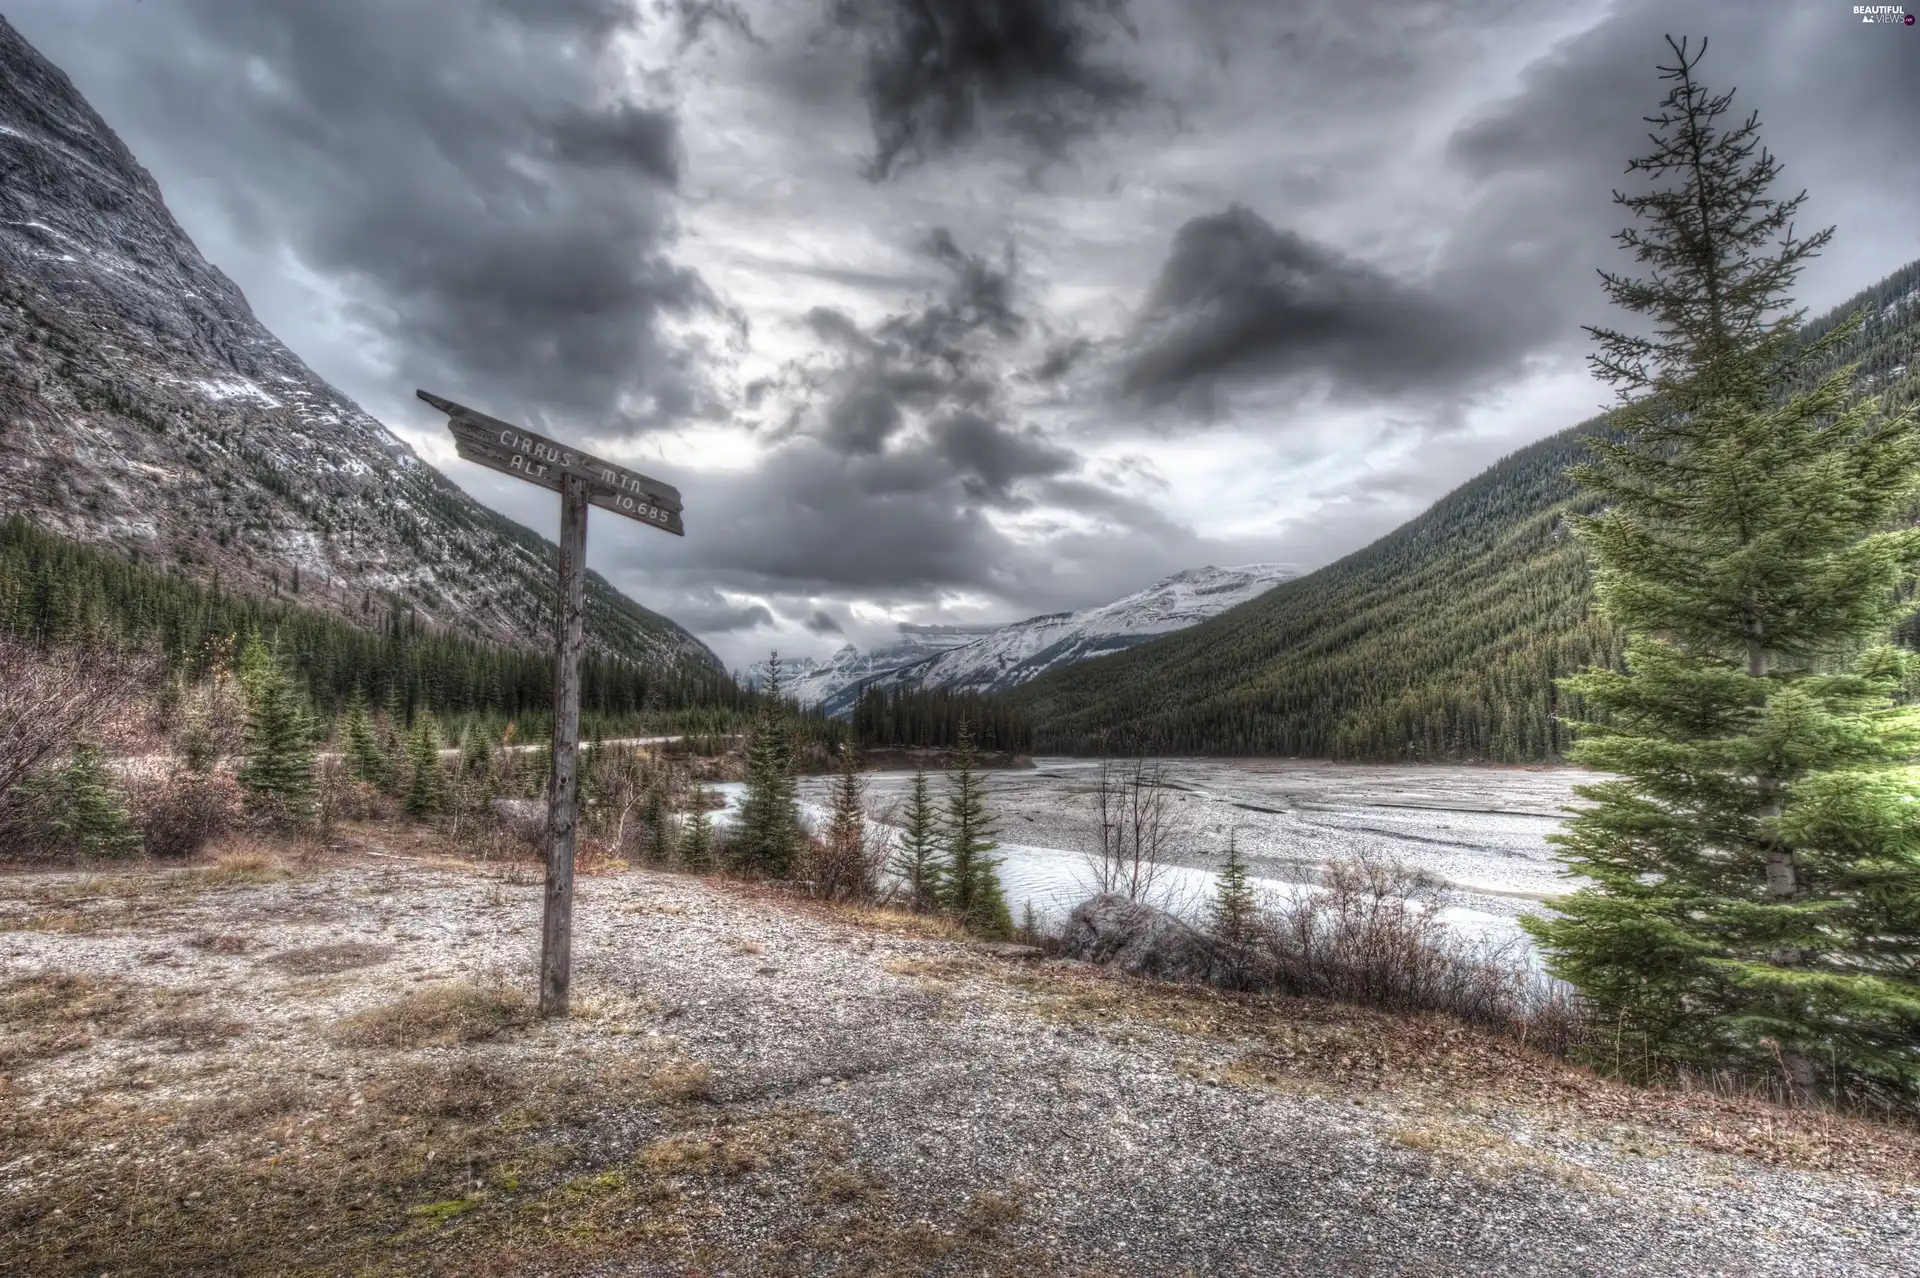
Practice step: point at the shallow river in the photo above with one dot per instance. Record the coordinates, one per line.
(1480, 829)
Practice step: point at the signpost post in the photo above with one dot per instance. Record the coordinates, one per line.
(582, 480)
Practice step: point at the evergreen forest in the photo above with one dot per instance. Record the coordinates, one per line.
(57, 591)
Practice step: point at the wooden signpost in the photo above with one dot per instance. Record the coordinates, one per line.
(582, 480)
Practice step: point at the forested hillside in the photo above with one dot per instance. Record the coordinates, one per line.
(57, 591)
(1441, 640)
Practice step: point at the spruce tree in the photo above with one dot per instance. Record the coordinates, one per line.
(919, 861)
(843, 869)
(76, 809)
(279, 749)
(970, 886)
(366, 762)
(696, 833)
(476, 753)
(847, 804)
(426, 781)
(1755, 863)
(1234, 914)
(768, 840)
(478, 778)
(656, 819)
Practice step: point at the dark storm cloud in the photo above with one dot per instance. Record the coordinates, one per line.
(1061, 358)
(939, 72)
(624, 137)
(993, 457)
(473, 179)
(1238, 299)
(694, 17)
(822, 624)
(812, 520)
(921, 394)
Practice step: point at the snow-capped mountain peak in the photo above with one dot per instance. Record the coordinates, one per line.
(994, 658)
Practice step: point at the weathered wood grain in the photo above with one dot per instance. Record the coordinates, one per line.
(556, 933)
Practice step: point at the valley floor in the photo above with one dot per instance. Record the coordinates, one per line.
(321, 1060)
(1480, 829)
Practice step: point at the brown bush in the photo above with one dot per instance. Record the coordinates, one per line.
(339, 797)
(50, 699)
(1373, 935)
(179, 813)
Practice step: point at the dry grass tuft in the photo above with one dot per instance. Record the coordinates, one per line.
(680, 1082)
(727, 1152)
(239, 1112)
(188, 1032)
(326, 960)
(234, 866)
(456, 1089)
(1494, 1155)
(55, 1013)
(846, 1185)
(222, 943)
(439, 1016)
(990, 1211)
(898, 922)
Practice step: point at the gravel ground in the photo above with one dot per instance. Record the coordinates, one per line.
(1037, 1116)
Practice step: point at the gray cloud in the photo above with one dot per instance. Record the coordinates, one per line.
(821, 623)
(920, 396)
(1061, 358)
(695, 17)
(993, 457)
(1239, 299)
(939, 72)
(710, 614)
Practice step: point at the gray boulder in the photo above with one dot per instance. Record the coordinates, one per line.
(1143, 941)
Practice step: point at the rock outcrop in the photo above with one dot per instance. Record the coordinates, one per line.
(1144, 941)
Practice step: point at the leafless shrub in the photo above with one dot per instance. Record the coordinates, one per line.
(1138, 826)
(51, 700)
(208, 720)
(1372, 934)
(180, 812)
(848, 867)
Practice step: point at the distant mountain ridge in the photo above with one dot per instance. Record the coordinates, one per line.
(1441, 640)
(814, 682)
(143, 406)
(988, 659)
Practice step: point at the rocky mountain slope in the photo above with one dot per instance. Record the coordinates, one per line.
(995, 658)
(1441, 640)
(142, 405)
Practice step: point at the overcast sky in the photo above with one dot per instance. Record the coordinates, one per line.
(955, 310)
